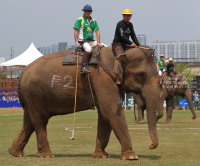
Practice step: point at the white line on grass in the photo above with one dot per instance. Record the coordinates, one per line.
(13, 115)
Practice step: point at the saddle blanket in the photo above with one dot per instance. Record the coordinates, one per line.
(70, 59)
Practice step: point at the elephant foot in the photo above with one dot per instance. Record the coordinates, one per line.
(130, 155)
(100, 154)
(169, 122)
(45, 154)
(141, 121)
(16, 153)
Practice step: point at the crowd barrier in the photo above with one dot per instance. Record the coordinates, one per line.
(183, 103)
(9, 97)
(9, 93)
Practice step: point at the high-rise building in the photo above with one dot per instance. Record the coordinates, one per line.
(189, 50)
(142, 39)
(184, 51)
(62, 46)
(168, 48)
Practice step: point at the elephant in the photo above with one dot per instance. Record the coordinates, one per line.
(46, 89)
(171, 86)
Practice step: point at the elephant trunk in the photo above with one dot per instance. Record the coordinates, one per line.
(188, 95)
(151, 105)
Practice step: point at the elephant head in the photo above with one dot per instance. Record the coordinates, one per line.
(140, 78)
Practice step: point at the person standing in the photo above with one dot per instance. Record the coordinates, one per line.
(124, 30)
(196, 99)
(83, 34)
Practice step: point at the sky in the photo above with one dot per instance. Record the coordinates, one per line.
(47, 22)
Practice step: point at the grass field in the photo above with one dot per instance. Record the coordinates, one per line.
(179, 143)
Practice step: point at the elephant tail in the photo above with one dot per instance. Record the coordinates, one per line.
(135, 113)
(19, 94)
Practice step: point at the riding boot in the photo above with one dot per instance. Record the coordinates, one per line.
(84, 68)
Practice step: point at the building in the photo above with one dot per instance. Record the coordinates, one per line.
(184, 51)
(168, 48)
(2, 60)
(142, 39)
(62, 46)
(189, 50)
(53, 48)
(48, 50)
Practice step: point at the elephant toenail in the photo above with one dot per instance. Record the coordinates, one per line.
(123, 158)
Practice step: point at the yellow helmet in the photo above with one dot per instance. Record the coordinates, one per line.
(170, 59)
(127, 11)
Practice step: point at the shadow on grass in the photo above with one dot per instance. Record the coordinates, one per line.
(76, 155)
(174, 123)
(151, 157)
(83, 155)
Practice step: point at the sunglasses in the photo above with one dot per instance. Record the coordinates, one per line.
(87, 11)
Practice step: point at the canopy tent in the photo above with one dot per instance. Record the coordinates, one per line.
(24, 59)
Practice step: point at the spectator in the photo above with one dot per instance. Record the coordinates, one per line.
(196, 99)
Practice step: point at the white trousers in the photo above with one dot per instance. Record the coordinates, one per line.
(87, 46)
(160, 72)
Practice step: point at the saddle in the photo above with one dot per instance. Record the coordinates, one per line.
(72, 53)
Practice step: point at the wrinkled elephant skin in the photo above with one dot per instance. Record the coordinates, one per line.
(46, 89)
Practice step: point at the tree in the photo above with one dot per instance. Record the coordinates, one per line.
(181, 68)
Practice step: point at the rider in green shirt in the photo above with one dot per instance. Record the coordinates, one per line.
(160, 65)
(83, 33)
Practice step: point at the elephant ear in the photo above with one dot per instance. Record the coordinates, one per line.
(119, 65)
(121, 58)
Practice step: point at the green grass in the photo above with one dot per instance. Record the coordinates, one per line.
(179, 143)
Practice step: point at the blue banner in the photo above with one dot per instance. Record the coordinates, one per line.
(183, 103)
(9, 97)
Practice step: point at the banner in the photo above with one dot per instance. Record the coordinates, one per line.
(9, 97)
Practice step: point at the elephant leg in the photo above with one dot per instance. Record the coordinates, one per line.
(42, 141)
(115, 115)
(103, 135)
(169, 110)
(141, 114)
(40, 119)
(21, 140)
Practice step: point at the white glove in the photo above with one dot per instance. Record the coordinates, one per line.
(78, 44)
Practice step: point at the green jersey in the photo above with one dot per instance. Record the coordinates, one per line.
(86, 29)
(161, 64)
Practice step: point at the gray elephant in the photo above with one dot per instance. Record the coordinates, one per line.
(46, 89)
(171, 86)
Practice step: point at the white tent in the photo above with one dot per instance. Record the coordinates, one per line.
(24, 59)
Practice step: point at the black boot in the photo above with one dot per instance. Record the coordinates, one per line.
(84, 69)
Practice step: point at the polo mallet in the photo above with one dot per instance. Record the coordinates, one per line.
(76, 90)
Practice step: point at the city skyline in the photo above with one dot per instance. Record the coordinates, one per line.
(46, 22)
(181, 51)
